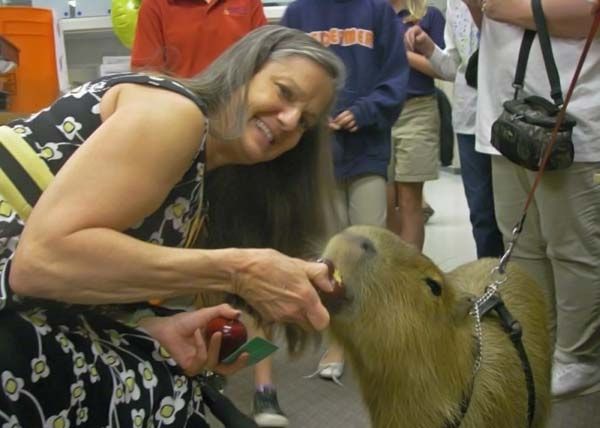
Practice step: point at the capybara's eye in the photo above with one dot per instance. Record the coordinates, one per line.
(367, 246)
(435, 287)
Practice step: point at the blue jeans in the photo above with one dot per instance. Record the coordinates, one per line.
(476, 171)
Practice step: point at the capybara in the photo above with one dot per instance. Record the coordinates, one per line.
(410, 338)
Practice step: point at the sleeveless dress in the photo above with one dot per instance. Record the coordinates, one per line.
(76, 365)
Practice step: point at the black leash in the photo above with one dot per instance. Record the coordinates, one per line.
(512, 327)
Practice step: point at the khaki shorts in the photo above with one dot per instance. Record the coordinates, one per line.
(416, 142)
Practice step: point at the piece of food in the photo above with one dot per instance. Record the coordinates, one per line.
(334, 299)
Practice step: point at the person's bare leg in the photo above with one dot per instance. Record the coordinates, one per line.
(334, 353)
(409, 198)
(393, 215)
(263, 370)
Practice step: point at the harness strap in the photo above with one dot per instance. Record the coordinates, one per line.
(464, 407)
(23, 175)
(513, 328)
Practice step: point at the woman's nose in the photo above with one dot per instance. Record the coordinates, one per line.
(289, 117)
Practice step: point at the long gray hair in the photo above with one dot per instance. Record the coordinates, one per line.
(222, 85)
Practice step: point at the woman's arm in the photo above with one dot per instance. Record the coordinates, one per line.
(420, 63)
(73, 250)
(570, 19)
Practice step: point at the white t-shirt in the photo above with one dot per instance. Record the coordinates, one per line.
(461, 37)
(498, 53)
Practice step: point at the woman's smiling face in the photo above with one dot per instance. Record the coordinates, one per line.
(285, 98)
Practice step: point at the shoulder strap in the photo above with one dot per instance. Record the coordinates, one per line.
(158, 81)
(546, 46)
(528, 37)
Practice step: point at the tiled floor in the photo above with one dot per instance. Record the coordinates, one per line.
(313, 403)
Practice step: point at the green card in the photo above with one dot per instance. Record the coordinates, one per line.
(257, 347)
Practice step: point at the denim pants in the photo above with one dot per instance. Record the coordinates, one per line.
(476, 171)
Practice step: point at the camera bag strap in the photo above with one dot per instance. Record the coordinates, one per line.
(546, 46)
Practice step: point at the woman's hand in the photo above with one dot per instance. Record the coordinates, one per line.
(417, 40)
(182, 335)
(282, 288)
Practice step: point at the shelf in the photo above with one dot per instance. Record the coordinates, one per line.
(86, 24)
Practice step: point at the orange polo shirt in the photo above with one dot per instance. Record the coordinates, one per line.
(182, 37)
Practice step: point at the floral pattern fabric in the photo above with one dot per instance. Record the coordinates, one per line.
(73, 366)
(62, 368)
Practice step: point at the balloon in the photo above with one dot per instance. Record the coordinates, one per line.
(124, 15)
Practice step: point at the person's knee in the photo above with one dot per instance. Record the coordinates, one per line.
(410, 195)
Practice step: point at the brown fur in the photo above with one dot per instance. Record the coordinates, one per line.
(413, 352)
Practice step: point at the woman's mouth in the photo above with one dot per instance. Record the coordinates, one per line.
(262, 126)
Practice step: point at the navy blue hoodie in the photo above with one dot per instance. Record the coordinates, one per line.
(366, 35)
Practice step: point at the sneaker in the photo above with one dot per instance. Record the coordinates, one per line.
(570, 379)
(333, 371)
(266, 410)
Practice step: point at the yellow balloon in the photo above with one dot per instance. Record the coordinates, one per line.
(124, 15)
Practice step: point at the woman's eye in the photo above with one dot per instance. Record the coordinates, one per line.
(285, 92)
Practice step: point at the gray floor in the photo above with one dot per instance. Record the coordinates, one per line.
(314, 403)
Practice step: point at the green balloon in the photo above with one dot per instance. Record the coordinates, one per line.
(124, 14)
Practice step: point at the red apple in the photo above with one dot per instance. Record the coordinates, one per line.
(234, 334)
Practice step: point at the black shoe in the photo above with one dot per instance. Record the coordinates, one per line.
(266, 410)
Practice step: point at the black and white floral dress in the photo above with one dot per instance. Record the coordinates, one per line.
(75, 366)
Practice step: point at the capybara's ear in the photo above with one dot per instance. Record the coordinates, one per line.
(462, 306)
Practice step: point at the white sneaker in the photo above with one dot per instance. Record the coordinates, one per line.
(333, 371)
(570, 379)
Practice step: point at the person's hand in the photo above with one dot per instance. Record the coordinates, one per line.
(282, 288)
(332, 125)
(417, 40)
(345, 120)
(182, 335)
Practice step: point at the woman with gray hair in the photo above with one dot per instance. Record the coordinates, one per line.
(131, 168)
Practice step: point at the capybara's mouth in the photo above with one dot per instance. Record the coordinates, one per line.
(335, 300)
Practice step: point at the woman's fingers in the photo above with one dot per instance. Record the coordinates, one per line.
(229, 369)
